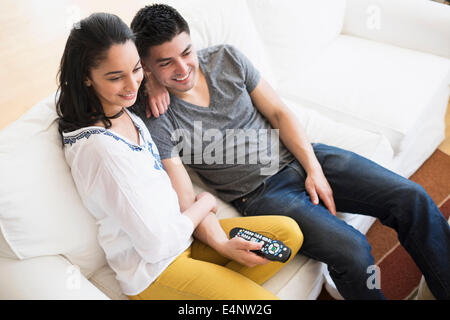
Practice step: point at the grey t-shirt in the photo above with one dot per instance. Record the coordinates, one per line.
(230, 144)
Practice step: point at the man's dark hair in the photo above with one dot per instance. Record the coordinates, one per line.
(155, 24)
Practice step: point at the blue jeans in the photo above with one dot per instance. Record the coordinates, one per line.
(363, 187)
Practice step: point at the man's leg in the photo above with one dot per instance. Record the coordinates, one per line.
(361, 186)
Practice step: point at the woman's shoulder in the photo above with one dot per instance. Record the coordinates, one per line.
(84, 137)
(89, 144)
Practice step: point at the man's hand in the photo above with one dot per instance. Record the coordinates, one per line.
(158, 96)
(317, 186)
(238, 249)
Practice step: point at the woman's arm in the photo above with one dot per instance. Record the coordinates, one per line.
(209, 230)
(200, 209)
(237, 249)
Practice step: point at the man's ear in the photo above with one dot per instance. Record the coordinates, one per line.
(145, 67)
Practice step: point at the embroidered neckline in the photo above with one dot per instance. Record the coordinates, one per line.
(87, 132)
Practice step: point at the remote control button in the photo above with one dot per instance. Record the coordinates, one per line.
(273, 249)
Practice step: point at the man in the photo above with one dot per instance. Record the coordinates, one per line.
(216, 95)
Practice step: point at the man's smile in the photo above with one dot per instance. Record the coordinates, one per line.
(183, 78)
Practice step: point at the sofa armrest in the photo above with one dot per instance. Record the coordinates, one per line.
(44, 278)
(421, 25)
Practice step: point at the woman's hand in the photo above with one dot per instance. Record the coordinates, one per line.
(317, 186)
(238, 249)
(158, 96)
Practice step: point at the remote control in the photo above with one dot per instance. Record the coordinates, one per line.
(274, 250)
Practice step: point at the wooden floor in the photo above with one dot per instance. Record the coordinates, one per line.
(32, 38)
(445, 145)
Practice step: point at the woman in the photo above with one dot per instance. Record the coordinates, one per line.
(148, 242)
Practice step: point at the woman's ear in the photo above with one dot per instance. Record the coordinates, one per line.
(87, 82)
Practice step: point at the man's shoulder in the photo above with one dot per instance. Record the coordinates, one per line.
(162, 126)
(218, 51)
(217, 48)
(163, 120)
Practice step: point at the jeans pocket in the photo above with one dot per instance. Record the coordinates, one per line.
(297, 167)
(250, 199)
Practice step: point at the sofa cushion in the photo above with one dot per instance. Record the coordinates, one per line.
(420, 25)
(321, 129)
(292, 32)
(41, 212)
(44, 278)
(373, 86)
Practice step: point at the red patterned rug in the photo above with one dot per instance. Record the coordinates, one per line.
(400, 276)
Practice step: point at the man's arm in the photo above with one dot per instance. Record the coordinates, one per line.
(209, 230)
(293, 136)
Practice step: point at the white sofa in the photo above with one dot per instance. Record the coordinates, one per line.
(371, 76)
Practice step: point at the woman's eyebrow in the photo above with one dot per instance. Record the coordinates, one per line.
(115, 72)
(112, 72)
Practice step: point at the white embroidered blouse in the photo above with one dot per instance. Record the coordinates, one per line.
(125, 187)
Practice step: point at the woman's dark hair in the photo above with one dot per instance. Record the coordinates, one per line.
(77, 105)
(155, 24)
